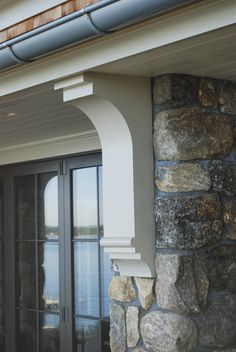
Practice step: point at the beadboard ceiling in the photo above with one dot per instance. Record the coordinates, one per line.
(212, 54)
(38, 114)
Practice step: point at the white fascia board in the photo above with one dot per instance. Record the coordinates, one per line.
(203, 17)
(12, 12)
(66, 145)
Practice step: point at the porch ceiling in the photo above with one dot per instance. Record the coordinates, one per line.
(212, 54)
(38, 114)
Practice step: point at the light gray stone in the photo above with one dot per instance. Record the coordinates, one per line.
(145, 291)
(191, 133)
(228, 98)
(132, 326)
(181, 284)
(139, 349)
(217, 325)
(229, 213)
(182, 178)
(117, 328)
(168, 332)
(173, 90)
(187, 222)
(122, 289)
(209, 91)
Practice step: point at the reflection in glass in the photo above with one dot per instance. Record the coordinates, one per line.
(86, 278)
(1, 327)
(48, 257)
(87, 335)
(25, 207)
(49, 332)
(85, 203)
(105, 329)
(26, 275)
(1, 272)
(1, 210)
(106, 276)
(48, 206)
(27, 331)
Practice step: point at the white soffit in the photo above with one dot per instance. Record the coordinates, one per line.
(35, 123)
(205, 23)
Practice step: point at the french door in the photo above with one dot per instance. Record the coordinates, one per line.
(56, 274)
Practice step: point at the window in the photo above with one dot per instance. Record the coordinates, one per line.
(57, 283)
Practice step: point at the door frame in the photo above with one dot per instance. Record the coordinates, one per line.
(63, 166)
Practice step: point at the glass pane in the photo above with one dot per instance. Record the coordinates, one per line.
(105, 329)
(27, 336)
(25, 207)
(48, 206)
(1, 274)
(100, 201)
(86, 278)
(106, 276)
(1, 210)
(85, 219)
(26, 275)
(48, 276)
(2, 329)
(87, 335)
(49, 332)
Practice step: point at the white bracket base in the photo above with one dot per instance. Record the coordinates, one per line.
(121, 111)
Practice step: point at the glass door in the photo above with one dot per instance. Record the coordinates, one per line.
(58, 275)
(91, 266)
(2, 319)
(37, 264)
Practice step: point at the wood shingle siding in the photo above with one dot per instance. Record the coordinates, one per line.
(43, 18)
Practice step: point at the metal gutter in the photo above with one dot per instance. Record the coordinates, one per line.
(99, 19)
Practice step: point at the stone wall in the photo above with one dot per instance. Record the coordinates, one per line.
(191, 305)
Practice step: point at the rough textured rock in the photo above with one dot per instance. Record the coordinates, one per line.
(220, 262)
(228, 350)
(132, 326)
(174, 90)
(187, 222)
(191, 133)
(228, 98)
(117, 329)
(181, 283)
(209, 91)
(182, 178)
(229, 214)
(217, 325)
(223, 176)
(139, 349)
(168, 332)
(122, 289)
(145, 291)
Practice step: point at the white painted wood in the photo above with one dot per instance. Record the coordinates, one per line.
(184, 30)
(67, 145)
(14, 11)
(120, 109)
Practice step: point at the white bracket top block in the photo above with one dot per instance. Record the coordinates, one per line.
(121, 111)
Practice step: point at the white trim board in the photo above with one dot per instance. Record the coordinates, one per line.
(190, 22)
(72, 144)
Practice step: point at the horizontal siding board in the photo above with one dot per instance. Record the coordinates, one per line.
(44, 18)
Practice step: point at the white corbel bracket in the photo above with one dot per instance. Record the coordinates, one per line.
(120, 109)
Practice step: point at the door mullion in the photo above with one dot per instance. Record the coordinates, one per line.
(68, 261)
(62, 274)
(10, 264)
